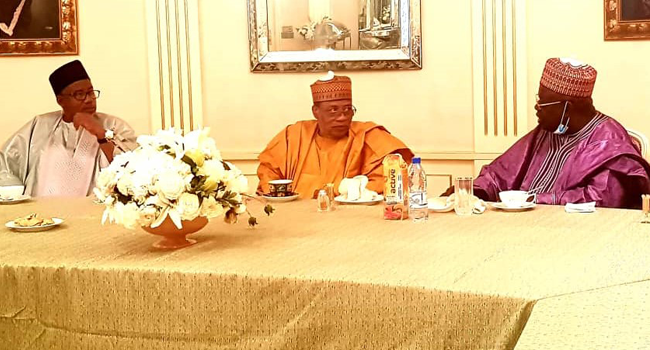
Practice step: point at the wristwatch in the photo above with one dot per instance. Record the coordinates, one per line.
(108, 136)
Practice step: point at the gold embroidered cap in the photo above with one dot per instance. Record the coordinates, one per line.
(331, 88)
(569, 77)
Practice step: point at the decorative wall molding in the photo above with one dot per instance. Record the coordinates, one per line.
(500, 73)
(174, 64)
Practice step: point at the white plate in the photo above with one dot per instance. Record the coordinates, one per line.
(13, 226)
(343, 200)
(281, 199)
(502, 206)
(13, 200)
(440, 205)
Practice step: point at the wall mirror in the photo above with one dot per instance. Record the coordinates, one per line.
(321, 35)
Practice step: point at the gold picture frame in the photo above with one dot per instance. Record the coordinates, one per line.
(21, 35)
(627, 20)
(407, 56)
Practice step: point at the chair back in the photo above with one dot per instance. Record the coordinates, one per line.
(639, 140)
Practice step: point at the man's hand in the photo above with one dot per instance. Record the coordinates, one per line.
(88, 122)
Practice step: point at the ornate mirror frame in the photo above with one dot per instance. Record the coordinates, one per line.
(618, 28)
(408, 56)
(65, 44)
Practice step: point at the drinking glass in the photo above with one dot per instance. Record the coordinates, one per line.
(464, 191)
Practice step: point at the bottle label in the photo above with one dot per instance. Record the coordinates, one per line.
(418, 199)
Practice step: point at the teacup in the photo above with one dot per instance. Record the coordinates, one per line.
(11, 191)
(281, 188)
(516, 198)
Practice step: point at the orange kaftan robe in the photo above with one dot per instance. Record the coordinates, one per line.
(311, 161)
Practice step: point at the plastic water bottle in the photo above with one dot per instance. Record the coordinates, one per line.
(418, 206)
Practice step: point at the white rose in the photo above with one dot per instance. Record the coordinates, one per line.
(125, 184)
(127, 215)
(188, 206)
(141, 181)
(214, 172)
(238, 184)
(210, 208)
(177, 166)
(147, 216)
(107, 179)
(170, 184)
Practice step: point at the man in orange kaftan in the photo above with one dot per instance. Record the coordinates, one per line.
(314, 153)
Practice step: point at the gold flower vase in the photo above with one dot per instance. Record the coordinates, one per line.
(172, 236)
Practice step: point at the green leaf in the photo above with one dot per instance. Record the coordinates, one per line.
(252, 221)
(190, 162)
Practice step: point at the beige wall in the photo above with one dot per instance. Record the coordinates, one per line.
(429, 109)
(114, 51)
(562, 28)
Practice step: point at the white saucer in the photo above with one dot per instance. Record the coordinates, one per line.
(14, 200)
(13, 226)
(504, 207)
(343, 200)
(440, 204)
(281, 199)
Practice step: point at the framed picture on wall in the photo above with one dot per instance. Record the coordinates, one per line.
(38, 27)
(627, 19)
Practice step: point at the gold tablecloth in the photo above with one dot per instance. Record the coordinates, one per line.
(610, 318)
(305, 280)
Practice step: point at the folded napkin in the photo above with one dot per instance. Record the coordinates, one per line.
(589, 207)
(354, 189)
(479, 204)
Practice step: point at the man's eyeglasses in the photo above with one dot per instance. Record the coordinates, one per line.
(83, 95)
(537, 104)
(347, 110)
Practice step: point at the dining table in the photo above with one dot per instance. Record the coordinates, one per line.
(539, 278)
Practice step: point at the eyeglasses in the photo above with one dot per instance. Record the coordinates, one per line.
(540, 105)
(83, 95)
(347, 110)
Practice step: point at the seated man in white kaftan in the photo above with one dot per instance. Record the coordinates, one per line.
(60, 153)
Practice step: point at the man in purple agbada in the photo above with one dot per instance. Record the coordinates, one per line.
(576, 154)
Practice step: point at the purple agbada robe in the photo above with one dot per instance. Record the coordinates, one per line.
(599, 163)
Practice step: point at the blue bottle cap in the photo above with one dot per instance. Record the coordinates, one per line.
(416, 160)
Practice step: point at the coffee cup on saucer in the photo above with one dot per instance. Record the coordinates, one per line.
(281, 188)
(517, 199)
(13, 191)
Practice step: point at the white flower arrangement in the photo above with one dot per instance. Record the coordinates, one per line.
(175, 176)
